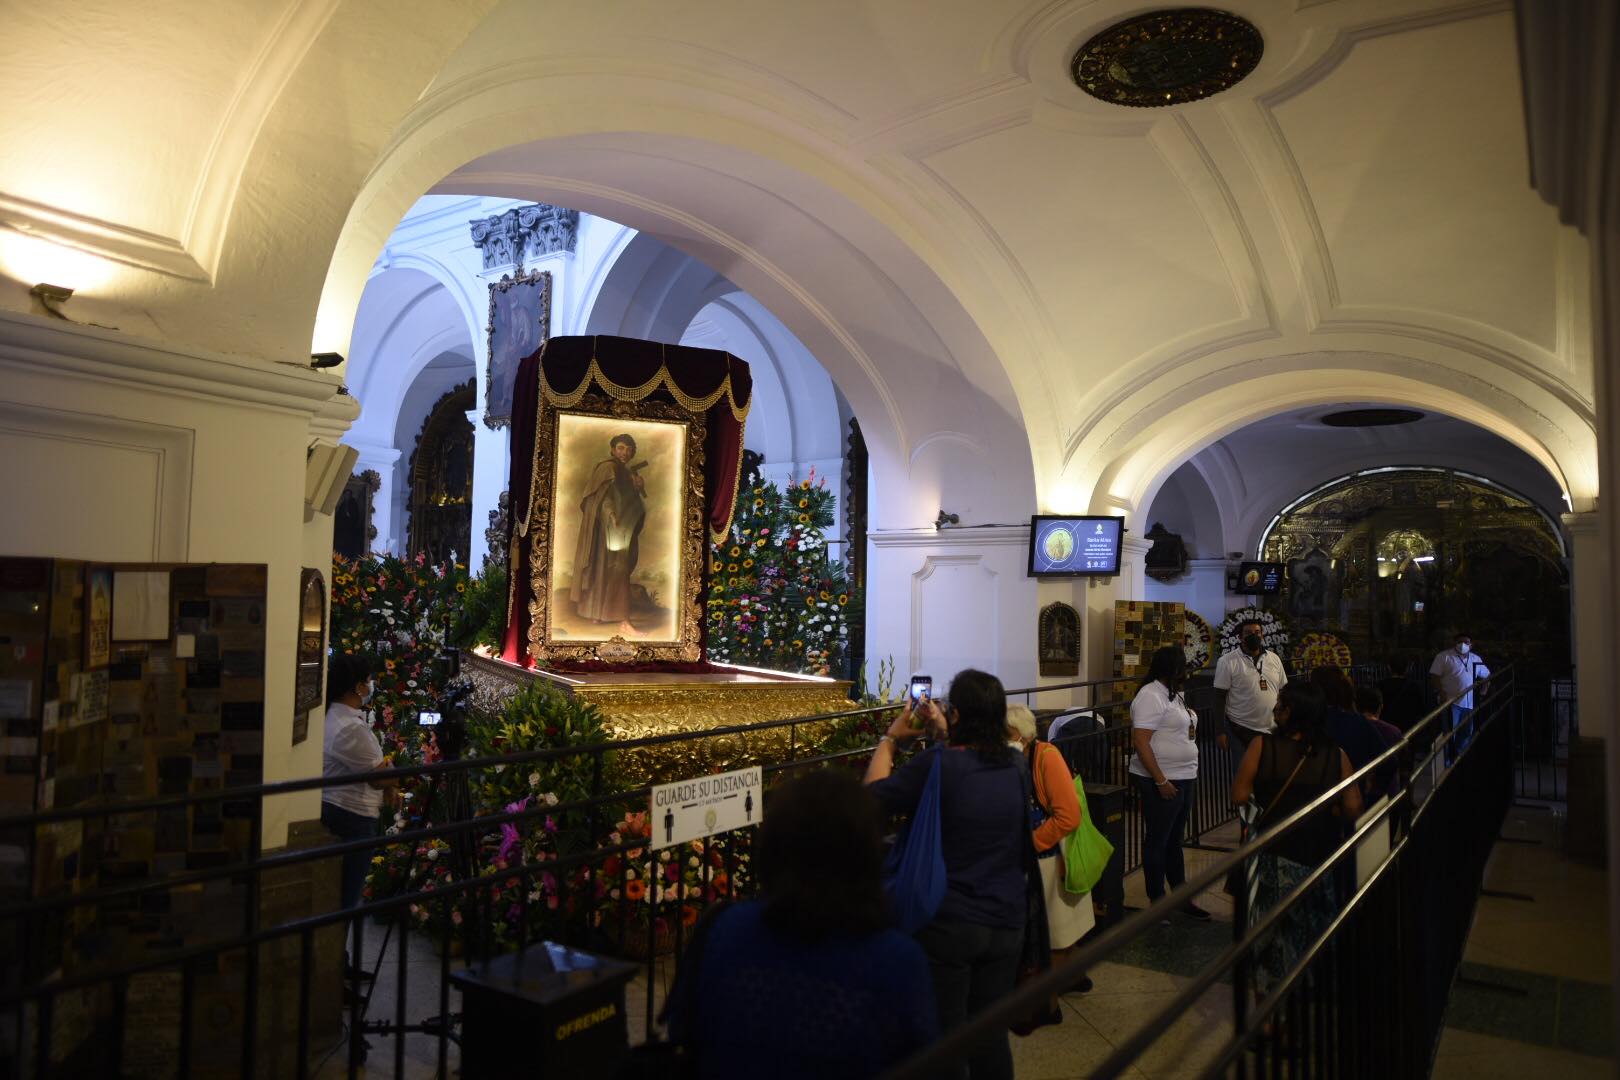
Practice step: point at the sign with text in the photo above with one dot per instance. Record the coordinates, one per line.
(692, 809)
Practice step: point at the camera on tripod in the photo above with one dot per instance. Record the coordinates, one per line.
(448, 718)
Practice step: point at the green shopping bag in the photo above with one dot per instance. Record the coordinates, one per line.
(1086, 851)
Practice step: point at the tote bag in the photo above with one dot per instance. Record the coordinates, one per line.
(914, 871)
(1086, 851)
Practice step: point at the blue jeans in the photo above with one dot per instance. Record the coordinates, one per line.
(346, 825)
(1460, 721)
(973, 966)
(1164, 822)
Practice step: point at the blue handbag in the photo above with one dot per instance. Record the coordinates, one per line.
(914, 871)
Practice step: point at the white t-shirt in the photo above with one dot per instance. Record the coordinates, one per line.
(1240, 675)
(1175, 732)
(350, 747)
(1458, 673)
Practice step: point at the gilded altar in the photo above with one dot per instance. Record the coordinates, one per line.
(638, 705)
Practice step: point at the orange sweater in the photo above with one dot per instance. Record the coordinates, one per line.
(1054, 788)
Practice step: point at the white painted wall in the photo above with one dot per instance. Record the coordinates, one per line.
(146, 454)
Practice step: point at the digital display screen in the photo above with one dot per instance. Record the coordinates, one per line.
(1260, 578)
(1075, 546)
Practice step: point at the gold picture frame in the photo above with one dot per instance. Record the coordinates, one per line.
(643, 599)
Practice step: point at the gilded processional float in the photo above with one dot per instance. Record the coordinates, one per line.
(625, 462)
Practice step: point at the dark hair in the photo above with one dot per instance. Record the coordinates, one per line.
(1169, 666)
(980, 705)
(1252, 622)
(1459, 635)
(1307, 713)
(820, 857)
(624, 438)
(344, 672)
(1369, 699)
(1336, 687)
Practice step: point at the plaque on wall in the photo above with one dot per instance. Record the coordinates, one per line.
(1059, 641)
(311, 650)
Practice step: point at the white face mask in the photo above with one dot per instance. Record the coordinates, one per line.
(371, 692)
(1463, 648)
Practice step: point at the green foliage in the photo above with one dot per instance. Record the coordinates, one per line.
(775, 599)
(539, 717)
(481, 619)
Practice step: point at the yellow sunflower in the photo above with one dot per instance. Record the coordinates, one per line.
(825, 595)
(803, 503)
(735, 551)
(747, 563)
(715, 566)
(804, 519)
(731, 568)
(843, 598)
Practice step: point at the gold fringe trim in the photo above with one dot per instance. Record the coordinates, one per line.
(662, 377)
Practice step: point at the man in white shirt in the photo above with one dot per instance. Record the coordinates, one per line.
(1247, 681)
(1455, 671)
(350, 811)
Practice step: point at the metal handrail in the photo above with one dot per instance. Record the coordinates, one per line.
(1030, 994)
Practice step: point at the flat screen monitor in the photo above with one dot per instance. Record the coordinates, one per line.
(1067, 546)
(1260, 578)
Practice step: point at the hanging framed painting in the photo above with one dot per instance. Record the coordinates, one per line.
(519, 323)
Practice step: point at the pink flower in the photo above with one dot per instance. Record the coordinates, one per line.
(455, 916)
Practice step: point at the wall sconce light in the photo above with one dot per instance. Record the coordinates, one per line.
(325, 360)
(46, 294)
(945, 520)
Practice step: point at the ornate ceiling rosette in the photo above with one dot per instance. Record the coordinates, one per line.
(1168, 57)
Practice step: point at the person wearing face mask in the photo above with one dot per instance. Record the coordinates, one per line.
(1164, 736)
(1247, 682)
(1458, 670)
(349, 811)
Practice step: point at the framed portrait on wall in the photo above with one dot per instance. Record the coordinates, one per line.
(519, 323)
(618, 576)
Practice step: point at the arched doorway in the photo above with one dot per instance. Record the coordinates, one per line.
(1395, 560)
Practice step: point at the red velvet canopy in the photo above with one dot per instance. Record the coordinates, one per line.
(563, 371)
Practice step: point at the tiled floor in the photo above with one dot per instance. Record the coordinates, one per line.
(1533, 997)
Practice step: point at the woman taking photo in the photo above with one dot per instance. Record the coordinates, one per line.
(974, 941)
(1164, 736)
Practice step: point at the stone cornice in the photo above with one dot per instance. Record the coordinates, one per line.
(54, 347)
(961, 536)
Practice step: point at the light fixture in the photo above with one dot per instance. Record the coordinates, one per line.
(325, 360)
(46, 294)
(945, 519)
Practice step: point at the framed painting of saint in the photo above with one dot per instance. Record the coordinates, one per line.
(519, 323)
(623, 538)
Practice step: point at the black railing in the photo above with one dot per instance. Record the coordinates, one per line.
(1341, 969)
(65, 1000)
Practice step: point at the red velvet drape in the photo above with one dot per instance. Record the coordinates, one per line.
(636, 370)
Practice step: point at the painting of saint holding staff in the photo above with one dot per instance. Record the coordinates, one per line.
(611, 516)
(616, 540)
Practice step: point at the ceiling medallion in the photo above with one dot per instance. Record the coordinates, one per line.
(1354, 418)
(1168, 57)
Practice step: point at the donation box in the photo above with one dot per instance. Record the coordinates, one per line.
(568, 1004)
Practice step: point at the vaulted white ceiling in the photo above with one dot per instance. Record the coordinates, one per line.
(995, 267)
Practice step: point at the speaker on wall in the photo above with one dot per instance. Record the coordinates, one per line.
(326, 469)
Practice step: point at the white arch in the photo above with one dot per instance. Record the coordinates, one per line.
(1174, 421)
(813, 244)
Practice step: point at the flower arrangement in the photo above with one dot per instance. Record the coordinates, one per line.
(775, 599)
(397, 612)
